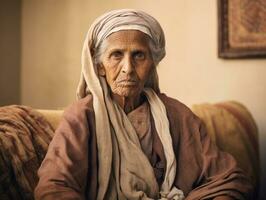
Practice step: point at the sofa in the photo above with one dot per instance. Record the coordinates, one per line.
(25, 134)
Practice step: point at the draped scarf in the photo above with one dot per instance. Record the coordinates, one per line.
(124, 170)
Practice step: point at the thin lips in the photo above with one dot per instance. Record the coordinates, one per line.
(127, 81)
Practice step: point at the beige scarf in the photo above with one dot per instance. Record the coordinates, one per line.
(124, 170)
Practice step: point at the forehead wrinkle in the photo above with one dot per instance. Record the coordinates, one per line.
(127, 40)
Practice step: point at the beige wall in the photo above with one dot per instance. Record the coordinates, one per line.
(10, 17)
(53, 33)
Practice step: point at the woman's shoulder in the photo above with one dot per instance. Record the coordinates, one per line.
(80, 107)
(174, 104)
(178, 110)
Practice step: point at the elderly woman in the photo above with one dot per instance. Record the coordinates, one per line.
(123, 139)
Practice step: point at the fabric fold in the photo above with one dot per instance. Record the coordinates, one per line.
(117, 142)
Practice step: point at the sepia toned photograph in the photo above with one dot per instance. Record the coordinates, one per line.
(130, 100)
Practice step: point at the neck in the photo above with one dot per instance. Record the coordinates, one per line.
(127, 103)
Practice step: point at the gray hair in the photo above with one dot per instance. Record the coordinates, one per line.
(114, 21)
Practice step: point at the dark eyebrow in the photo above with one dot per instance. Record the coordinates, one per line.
(138, 51)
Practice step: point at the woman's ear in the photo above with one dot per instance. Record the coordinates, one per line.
(101, 70)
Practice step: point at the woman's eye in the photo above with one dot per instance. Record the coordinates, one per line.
(139, 55)
(116, 55)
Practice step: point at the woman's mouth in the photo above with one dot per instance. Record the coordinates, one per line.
(127, 83)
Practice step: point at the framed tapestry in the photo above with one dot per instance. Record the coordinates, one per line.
(242, 28)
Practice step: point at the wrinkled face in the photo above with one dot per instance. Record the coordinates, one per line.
(126, 62)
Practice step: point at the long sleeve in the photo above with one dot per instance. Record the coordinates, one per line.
(64, 171)
(219, 173)
(203, 171)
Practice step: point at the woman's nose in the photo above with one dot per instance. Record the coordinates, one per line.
(128, 66)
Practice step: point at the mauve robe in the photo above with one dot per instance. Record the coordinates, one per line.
(69, 170)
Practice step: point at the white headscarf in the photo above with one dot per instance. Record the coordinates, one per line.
(124, 170)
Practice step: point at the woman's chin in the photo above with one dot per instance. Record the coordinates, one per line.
(126, 92)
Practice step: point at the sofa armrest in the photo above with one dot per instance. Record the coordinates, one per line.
(233, 129)
(52, 116)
